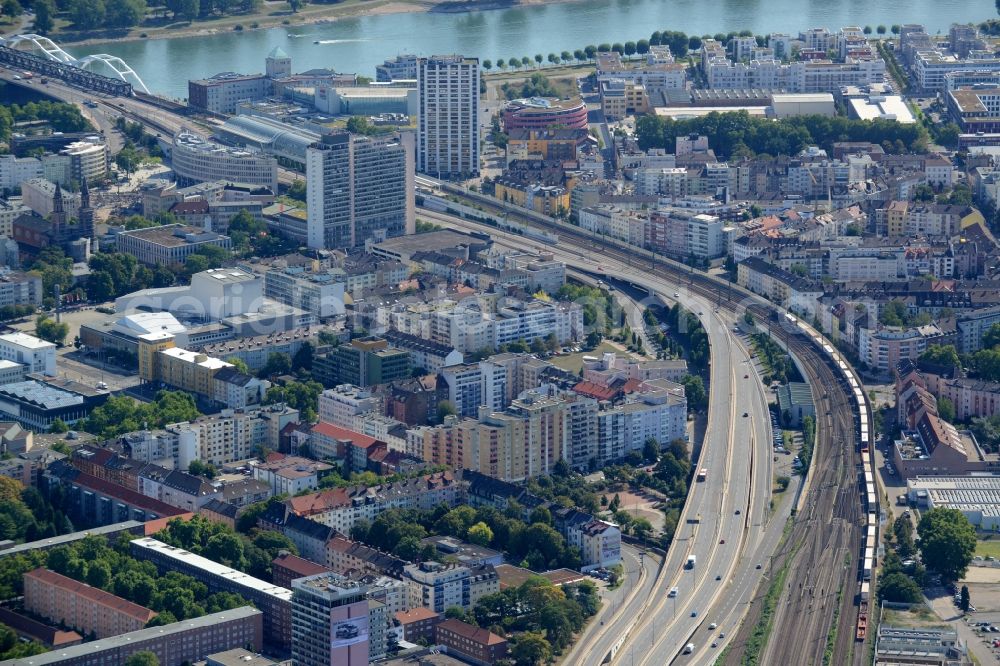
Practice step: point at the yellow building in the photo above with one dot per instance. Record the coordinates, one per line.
(149, 347)
(543, 199)
(188, 370)
(895, 217)
(544, 144)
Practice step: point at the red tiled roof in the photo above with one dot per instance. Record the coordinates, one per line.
(594, 390)
(415, 615)
(471, 633)
(299, 565)
(336, 432)
(92, 594)
(126, 495)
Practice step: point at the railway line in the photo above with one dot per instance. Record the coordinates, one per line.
(821, 612)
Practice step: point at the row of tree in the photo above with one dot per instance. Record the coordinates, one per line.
(60, 117)
(122, 414)
(737, 134)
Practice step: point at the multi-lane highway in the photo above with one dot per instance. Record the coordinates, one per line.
(725, 523)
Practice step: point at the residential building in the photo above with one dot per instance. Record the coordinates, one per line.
(88, 160)
(18, 288)
(340, 405)
(402, 67)
(287, 567)
(273, 601)
(975, 109)
(440, 586)
(364, 362)
(448, 119)
(359, 189)
(290, 474)
(175, 643)
(87, 609)
(418, 624)
(479, 646)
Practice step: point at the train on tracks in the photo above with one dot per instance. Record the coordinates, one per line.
(867, 488)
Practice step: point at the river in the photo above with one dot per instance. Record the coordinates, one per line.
(358, 44)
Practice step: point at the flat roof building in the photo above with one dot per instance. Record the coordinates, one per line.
(197, 160)
(273, 600)
(169, 245)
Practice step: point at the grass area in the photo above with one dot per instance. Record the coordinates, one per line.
(919, 616)
(762, 630)
(574, 362)
(988, 548)
(831, 638)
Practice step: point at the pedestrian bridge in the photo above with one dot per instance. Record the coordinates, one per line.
(100, 63)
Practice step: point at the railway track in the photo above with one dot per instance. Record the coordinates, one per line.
(819, 602)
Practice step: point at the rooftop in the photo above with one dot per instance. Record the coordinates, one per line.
(27, 341)
(173, 235)
(93, 595)
(214, 568)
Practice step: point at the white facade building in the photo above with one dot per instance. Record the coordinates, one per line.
(35, 354)
(448, 118)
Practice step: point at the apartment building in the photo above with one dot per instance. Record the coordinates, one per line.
(87, 609)
(273, 601)
(175, 643)
(440, 586)
(360, 189)
(448, 119)
(222, 93)
(479, 646)
(341, 508)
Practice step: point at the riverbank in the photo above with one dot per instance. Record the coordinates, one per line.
(275, 14)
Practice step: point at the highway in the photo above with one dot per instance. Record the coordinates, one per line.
(830, 498)
(721, 524)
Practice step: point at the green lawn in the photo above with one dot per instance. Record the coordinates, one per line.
(574, 362)
(988, 547)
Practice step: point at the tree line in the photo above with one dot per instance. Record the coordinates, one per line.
(61, 117)
(737, 134)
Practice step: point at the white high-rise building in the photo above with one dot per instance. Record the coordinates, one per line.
(448, 120)
(359, 189)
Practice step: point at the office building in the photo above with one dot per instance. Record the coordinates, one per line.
(222, 93)
(322, 294)
(363, 362)
(448, 120)
(88, 160)
(35, 354)
(402, 67)
(539, 113)
(198, 160)
(334, 623)
(274, 601)
(359, 189)
(169, 245)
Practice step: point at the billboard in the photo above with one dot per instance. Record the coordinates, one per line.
(349, 634)
(345, 633)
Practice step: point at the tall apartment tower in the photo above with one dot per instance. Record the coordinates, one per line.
(359, 189)
(448, 121)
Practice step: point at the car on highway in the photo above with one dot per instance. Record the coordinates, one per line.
(745, 415)
(746, 376)
(737, 512)
(722, 634)
(694, 613)
(722, 541)
(713, 625)
(672, 593)
(714, 644)
(718, 577)
(689, 648)
(758, 566)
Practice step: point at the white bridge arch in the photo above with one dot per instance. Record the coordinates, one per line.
(53, 51)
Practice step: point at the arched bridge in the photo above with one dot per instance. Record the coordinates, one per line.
(100, 63)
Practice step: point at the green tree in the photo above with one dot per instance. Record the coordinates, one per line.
(694, 389)
(124, 13)
(278, 363)
(58, 426)
(44, 10)
(239, 364)
(946, 409)
(991, 338)
(964, 599)
(11, 8)
(142, 658)
(947, 541)
(531, 649)
(897, 586)
(480, 534)
(902, 529)
(943, 355)
(50, 330)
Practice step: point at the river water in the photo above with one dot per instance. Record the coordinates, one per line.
(358, 44)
